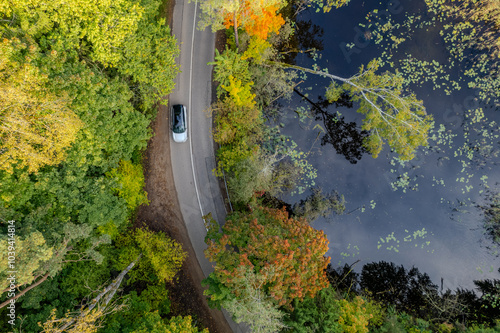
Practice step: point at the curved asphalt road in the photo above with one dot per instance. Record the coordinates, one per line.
(192, 162)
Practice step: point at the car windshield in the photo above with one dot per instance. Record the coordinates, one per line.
(178, 126)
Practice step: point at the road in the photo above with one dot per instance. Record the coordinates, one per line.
(193, 161)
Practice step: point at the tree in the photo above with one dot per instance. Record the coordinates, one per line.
(121, 34)
(230, 63)
(407, 290)
(32, 253)
(328, 311)
(253, 306)
(318, 314)
(104, 25)
(239, 93)
(149, 58)
(131, 179)
(226, 13)
(390, 116)
(262, 23)
(49, 261)
(162, 256)
(36, 124)
(263, 172)
(353, 317)
(86, 320)
(153, 323)
(266, 240)
(491, 213)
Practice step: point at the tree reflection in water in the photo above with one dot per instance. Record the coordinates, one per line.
(346, 137)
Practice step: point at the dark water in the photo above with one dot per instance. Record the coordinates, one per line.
(432, 222)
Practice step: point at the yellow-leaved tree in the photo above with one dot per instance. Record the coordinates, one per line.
(36, 124)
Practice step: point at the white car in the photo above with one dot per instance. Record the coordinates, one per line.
(179, 123)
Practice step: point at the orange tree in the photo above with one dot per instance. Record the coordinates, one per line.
(287, 253)
(255, 17)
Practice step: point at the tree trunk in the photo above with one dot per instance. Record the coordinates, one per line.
(25, 290)
(235, 26)
(111, 289)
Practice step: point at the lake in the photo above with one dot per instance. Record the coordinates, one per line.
(422, 213)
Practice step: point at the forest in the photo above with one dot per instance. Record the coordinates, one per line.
(80, 86)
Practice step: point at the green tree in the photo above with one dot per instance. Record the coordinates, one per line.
(32, 253)
(162, 257)
(153, 323)
(149, 58)
(253, 305)
(329, 311)
(390, 116)
(131, 179)
(103, 24)
(36, 124)
(87, 319)
(263, 172)
(230, 63)
(47, 262)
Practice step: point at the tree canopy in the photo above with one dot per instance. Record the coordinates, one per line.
(286, 254)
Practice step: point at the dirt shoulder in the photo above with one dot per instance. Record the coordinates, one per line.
(164, 214)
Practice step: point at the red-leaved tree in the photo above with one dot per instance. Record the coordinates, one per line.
(286, 253)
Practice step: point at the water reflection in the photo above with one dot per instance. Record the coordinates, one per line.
(345, 137)
(423, 213)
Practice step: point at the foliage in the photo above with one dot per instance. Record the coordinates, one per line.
(253, 306)
(149, 59)
(258, 49)
(286, 251)
(414, 302)
(152, 304)
(221, 13)
(162, 256)
(390, 116)
(32, 253)
(270, 81)
(83, 77)
(318, 314)
(262, 173)
(235, 122)
(36, 123)
(353, 316)
(392, 284)
(153, 323)
(103, 25)
(131, 179)
(229, 63)
(84, 324)
(328, 311)
(261, 22)
(240, 93)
